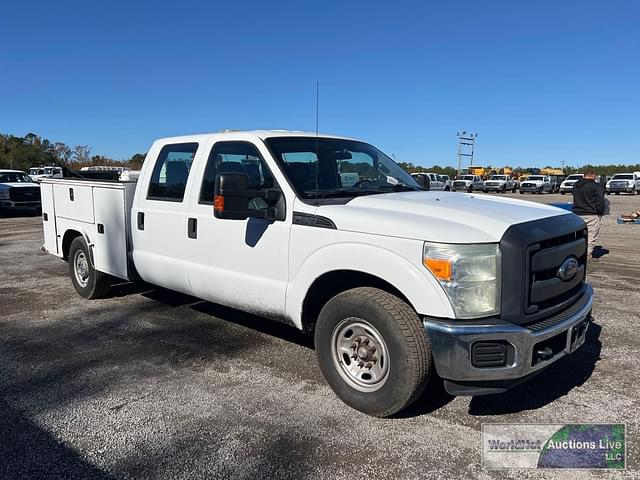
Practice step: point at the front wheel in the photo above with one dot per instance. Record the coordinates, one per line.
(470, 189)
(88, 282)
(373, 351)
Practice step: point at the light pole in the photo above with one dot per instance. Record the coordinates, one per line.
(466, 144)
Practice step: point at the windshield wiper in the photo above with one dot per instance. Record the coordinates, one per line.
(400, 188)
(342, 192)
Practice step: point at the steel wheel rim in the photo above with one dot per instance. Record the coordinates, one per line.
(360, 354)
(81, 268)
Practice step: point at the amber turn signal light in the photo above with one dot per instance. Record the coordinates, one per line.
(439, 267)
(218, 203)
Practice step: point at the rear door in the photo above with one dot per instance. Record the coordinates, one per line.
(239, 263)
(159, 225)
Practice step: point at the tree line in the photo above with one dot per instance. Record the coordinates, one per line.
(22, 153)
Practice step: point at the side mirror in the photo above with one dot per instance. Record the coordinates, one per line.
(231, 196)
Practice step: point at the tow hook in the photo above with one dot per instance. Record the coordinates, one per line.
(545, 354)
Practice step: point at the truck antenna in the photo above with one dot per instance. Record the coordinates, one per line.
(317, 134)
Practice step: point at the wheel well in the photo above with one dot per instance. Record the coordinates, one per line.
(330, 284)
(69, 235)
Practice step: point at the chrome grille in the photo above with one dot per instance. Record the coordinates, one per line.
(25, 194)
(545, 289)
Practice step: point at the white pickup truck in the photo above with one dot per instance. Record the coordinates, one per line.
(396, 284)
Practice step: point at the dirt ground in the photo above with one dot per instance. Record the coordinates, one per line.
(151, 384)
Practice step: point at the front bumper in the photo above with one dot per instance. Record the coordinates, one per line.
(498, 188)
(530, 189)
(619, 189)
(452, 343)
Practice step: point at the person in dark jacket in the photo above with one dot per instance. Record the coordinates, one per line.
(588, 202)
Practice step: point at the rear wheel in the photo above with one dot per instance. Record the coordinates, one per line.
(87, 281)
(373, 351)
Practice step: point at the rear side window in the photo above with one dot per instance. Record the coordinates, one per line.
(171, 171)
(235, 157)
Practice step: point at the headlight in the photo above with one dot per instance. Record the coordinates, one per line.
(4, 194)
(469, 275)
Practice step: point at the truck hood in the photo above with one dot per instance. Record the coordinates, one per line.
(435, 216)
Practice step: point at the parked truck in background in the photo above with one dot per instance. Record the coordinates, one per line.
(500, 184)
(18, 190)
(467, 183)
(536, 184)
(623, 183)
(396, 285)
(567, 184)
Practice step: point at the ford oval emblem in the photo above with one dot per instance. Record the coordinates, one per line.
(568, 269)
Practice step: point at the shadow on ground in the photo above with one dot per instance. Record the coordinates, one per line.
(28, 451)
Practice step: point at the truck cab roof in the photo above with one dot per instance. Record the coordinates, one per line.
(255, 134)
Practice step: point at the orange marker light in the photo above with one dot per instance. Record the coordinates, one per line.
(218, 203)
(439, 267)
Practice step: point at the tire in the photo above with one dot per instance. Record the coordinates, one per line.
(402, 360)
(563, 192)
(514, 190)
(470, 189)
(447, 189)
(485, 191)
(521, 192)
(88, 282)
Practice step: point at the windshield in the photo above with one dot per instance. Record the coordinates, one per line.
(535, 177)
(622, 177)
(331, 167)
(466, 177)
(498, 177)
(15, 177)
(574, 177)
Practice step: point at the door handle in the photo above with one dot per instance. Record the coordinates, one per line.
(192, 228)
(140, 220)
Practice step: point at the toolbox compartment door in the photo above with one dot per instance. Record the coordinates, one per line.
(74, 202)
(109, 237)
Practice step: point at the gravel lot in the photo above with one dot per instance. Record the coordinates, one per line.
(151, 384)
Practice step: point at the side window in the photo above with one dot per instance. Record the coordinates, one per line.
(236, 157)
(171, 171)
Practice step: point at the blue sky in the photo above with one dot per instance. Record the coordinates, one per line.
(539, 81)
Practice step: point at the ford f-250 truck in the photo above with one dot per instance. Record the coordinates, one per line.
(397, 284)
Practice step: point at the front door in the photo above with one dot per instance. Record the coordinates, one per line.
(239, 263)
